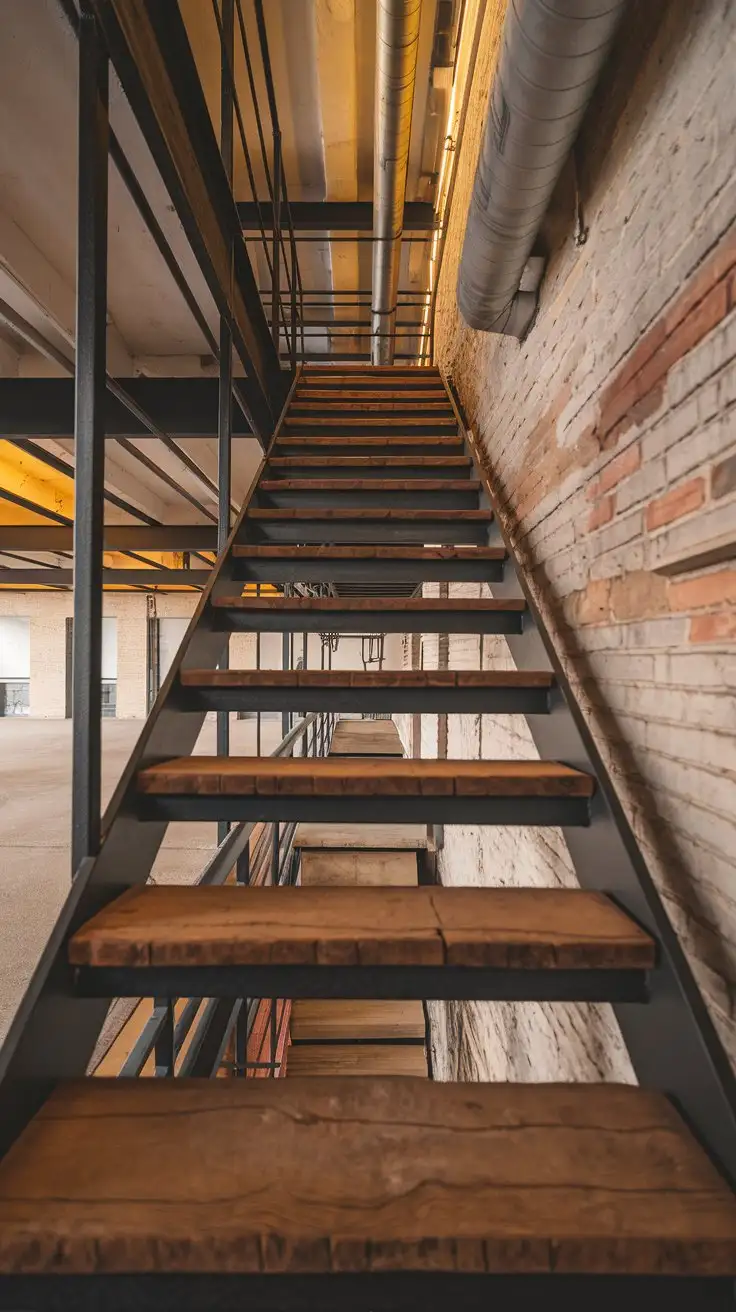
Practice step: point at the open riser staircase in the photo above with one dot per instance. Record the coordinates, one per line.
(372, 1191)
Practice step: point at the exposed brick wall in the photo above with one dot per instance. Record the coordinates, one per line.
(610, 440)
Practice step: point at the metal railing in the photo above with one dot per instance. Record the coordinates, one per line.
(203, 1036)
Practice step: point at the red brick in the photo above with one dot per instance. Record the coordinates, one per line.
(707, 590)
(592, 604)
(682, 500)
(639, 594)
(715, 627)
(620, 467)
(602, 513)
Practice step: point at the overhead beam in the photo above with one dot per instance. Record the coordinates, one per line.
(117, 537)
(149, 47)
(333, 215)
(181, 407)
(127, 578)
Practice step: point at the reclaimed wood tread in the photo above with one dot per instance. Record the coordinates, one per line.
(499, 928)
(385, 839)
(319, 392)
(340, 1019)
(366, 679)
(377, 514)
(328, 866)
(369, 462)
(385, 442)
(366, 738)
(356, 552)
(409, 605)
(131, 1176)
(352, 1060)
(253, 776)
(339, 485)
(401, 403)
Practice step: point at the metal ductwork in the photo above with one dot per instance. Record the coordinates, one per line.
(551, 55)
(397, 42)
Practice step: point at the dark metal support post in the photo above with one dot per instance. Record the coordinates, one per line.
(165, 1046)
(225, 397)
(276, 245)
(294, 278)
(89, 486)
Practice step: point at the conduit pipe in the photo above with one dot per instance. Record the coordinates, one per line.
(552, 53)
(397, 42)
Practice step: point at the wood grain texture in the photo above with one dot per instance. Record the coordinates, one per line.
(394, 679)
(252, 776)
(356, 1059)
(385, 442)
(319, 392)
(383, 838)
(350, 867)
(370, 462)
(340, 1019)
(335, 486)
(366, 738)
(399, 403)
(378, 514)
(502, 928)
(383, 1174)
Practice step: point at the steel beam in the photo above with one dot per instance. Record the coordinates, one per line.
(403, 983)
(368, 1291)
(89, 483)
(127, 578)
(567, 811)
(225, 401)
(117, 537)
(180, 407)
(421, 701)
(333, 216)
(372, 619)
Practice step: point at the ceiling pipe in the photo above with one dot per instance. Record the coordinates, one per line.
(552, 53)
(397, 43)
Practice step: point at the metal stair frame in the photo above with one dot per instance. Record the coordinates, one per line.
(53, 1033)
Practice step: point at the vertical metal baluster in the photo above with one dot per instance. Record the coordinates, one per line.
(285, 665)
(274, 1037)
(276, 248)
(89, 434)
(275, 853)
(294, 276)
(225, 400)
(164, 1054)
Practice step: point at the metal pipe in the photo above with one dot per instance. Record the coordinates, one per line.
(551, 55)
(397, 43)
(225, 400)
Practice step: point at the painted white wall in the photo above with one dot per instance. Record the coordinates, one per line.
(109, 648)
(171, 630)
(15, 647)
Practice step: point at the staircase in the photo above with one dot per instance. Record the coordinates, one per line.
(365, 1192)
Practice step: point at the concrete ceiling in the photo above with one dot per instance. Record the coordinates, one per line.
(323, 56)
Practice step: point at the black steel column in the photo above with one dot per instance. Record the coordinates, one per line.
(89, 433)
(276, 243)
(225, 409)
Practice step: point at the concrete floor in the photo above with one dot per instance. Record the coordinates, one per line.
(35, 784)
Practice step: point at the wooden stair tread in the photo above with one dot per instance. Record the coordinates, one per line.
(252, 776)
(366, 738)
(339, 485)
(341, 1018)
(501, 928)
(308, 1060)
(368, 462)
(366, 679)
(408, 605)
(382, 839)
(319, 392)
(399, 404)
(378, 513)
(349, 867)
(116, 1176)
(356, 552)
(384, 442)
